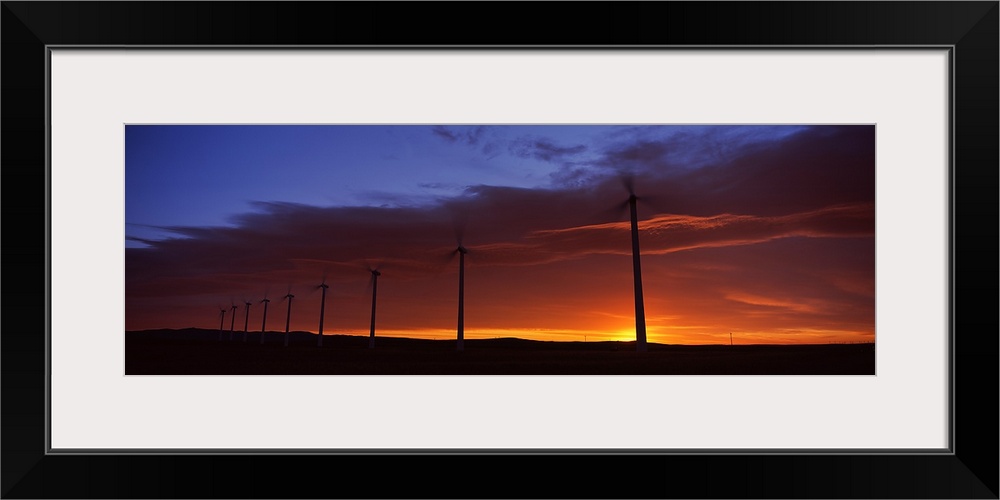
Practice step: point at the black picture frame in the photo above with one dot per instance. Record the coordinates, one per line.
(970, 29)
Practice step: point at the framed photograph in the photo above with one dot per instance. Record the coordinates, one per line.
(730, 259)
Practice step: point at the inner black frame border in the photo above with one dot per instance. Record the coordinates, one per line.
(967, 470)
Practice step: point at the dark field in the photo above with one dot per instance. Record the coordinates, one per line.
(199, 352)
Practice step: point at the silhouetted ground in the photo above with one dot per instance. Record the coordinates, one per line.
(199, 352)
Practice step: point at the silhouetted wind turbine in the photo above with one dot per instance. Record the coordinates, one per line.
(288, 317)
(459, 222)
(263, 322)
(374, 283)
(246, 321)
(222, 320)
(461, 295)
(322, 308)
(232, 321)
(640, 314)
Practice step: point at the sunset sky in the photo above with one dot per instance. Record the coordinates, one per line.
(767, 232)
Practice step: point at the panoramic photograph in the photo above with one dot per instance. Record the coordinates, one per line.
(480, 249)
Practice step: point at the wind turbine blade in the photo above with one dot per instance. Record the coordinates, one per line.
(628, 181)
(614, 213)
(658, 203)
(371, 282)
(446, 258)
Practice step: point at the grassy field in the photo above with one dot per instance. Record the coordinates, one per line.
(199, 352)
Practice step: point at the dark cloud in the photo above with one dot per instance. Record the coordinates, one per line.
(676, 150)
(491, 143)
(469, 135)
(444, 133)
(437, 185)
(543, 149)
(648, 155)
(572, 176)
(812, 168)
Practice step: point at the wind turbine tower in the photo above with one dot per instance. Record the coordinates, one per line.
(322, 308)
(371, 335)
(461, 297)
(246, 321)
(263, 322)
(288, 317)
(232, 321)
(222, 321)
(640, 313)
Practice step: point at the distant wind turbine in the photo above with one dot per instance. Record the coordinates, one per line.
(322, 308)
(246, 321)
(461, 251)
(263, 322)
(374, 282)
(459, 222)
(288, 317)
(232, 321)
(222, 320)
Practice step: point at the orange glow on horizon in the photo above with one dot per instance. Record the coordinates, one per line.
(668, 335)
